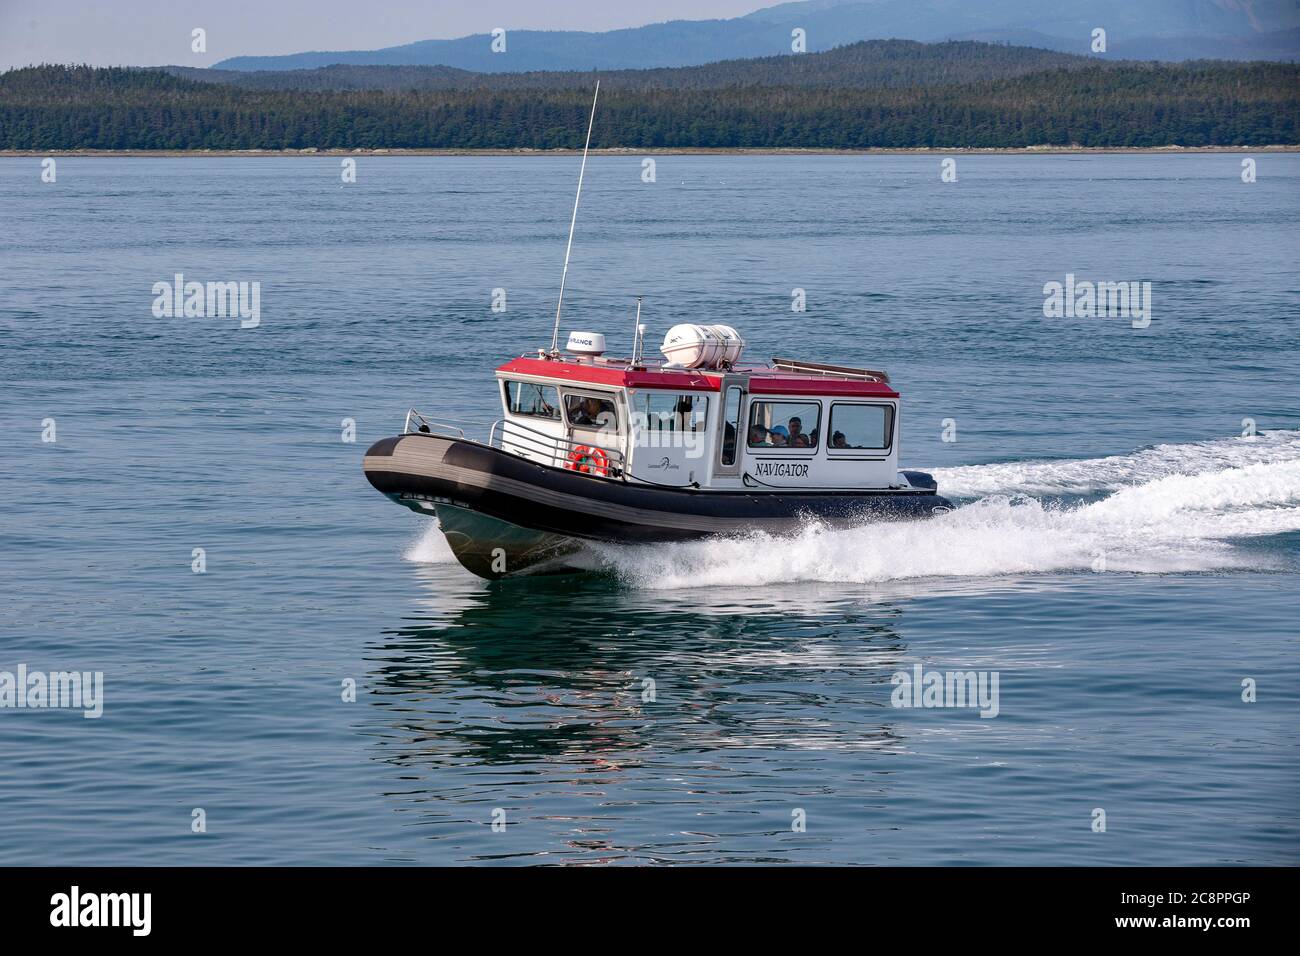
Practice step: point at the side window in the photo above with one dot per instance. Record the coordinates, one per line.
(784, 424)
(868, 427)
(537, 401)
(591, 411)
(731, 426)
(666, 412)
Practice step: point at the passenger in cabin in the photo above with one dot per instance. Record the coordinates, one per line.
(796, 432)
(778, 436)
(588, 413)
(757, 435)
(839, 441)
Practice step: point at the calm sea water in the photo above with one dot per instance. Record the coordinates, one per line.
(1123, 559)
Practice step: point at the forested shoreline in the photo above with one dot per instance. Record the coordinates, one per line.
(1089, 104)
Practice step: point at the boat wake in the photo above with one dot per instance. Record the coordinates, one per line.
(1081, 476)
(1171, 508)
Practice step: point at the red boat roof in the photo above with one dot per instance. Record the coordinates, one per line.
(762, 380)
(784, 383)
(613, 373)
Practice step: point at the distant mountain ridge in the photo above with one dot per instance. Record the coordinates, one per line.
(1151, 29)
(885, 64)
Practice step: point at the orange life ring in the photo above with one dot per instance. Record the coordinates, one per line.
(589, 460)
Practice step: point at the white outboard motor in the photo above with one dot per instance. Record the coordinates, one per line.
(702, 346)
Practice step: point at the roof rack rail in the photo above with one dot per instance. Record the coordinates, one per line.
(841, 371)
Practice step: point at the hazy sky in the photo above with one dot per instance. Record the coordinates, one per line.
(157, 32)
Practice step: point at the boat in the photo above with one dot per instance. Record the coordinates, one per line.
(593, 450)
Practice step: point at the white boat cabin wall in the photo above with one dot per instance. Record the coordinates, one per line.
(730, 430)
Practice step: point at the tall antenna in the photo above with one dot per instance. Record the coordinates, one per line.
(636, 330)
(555, 336)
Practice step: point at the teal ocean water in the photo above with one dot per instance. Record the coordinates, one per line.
(1123, 557)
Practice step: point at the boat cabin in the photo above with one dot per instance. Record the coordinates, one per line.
(719, 425)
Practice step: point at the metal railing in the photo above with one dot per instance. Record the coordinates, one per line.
(828, 371)
(522, 439)
(427, 427)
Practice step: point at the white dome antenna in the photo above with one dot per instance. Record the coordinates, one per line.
(585, 343)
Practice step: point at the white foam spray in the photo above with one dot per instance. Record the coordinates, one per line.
(1081, 476)
(430, 547)
(1173, 508)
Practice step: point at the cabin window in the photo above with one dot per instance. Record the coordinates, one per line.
(666, 412)
(868, 427)
(731, 425)
(591, 411)
(530, 399)
(784, 424)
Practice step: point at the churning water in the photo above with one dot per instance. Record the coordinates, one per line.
(1160, 512)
